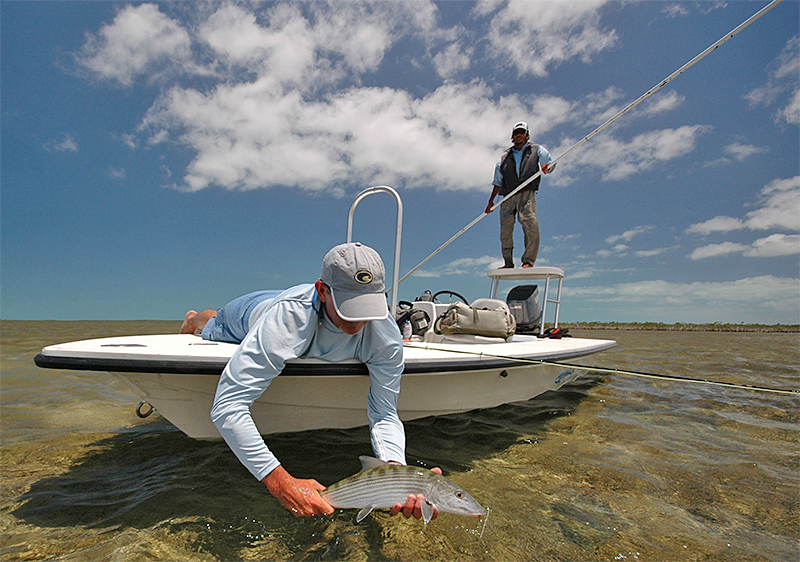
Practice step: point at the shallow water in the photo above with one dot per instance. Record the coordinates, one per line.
(611, 468)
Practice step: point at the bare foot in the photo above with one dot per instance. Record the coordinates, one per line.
(188, 326)
(526, 265)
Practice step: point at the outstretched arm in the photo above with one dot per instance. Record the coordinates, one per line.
(299, 496)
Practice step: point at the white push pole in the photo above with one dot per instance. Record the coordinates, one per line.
(627, 108)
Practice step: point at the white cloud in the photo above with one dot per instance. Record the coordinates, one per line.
(664, 102)
(782, 77)
(139, 38)
(651, 253)
(620, 159)
(791, 113)
(116, 173)
(779, 208)
(741, 152)
(533, 37)
(759, 299)
(63, 143)
(714, 250)
(738, 152)
(129, 140)
(463, 266)
(284, 77)
(628, 235)
(247, 136)
(774, 245)
(717, 224)
(675, 10)
(452, 60)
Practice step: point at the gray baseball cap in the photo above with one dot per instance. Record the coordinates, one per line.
(355, 274)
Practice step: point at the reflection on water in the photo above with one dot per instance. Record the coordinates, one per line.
(611, 468)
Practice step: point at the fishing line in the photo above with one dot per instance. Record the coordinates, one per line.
(671, 378)
(625, 110)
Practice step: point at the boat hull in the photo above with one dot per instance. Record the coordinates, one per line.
(331, 401)
(178, 376)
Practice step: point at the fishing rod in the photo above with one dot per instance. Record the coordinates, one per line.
(588, 137)
(606, 370)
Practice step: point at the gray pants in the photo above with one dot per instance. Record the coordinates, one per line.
(522, 207)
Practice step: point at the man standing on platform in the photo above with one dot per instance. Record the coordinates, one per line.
(517, 164)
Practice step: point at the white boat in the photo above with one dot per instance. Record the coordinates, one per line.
(177, 374)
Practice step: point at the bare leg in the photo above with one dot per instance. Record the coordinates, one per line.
(195, 321)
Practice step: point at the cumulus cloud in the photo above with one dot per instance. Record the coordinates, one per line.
(62, 143)
(453, 59)
(782, 77)
(280, 77)
(779, 207)
(628, 235)
(717, 224)
(534, 39)
(741, 152)
(139, 38)
(774, 245)
(714, 250)
(675, 10)
(651, 253)
(756, 298)
(463, 266)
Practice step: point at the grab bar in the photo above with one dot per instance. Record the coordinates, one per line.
(398, 232)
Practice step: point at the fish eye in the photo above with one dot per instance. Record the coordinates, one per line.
(460, 494)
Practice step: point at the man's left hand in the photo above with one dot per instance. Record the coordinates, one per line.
(547, 168)
(413, 505)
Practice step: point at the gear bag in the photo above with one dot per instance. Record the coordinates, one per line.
(461, 318)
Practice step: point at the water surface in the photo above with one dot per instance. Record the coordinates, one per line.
(611, 468)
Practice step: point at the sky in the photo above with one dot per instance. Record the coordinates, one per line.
(161, 157)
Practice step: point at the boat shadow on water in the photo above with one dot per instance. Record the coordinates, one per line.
(154, 474)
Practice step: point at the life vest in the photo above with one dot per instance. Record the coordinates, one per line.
(528, 167)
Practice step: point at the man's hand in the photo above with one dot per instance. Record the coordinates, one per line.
(413, 505)
(301, 497)
(547, 168)
(489, 207)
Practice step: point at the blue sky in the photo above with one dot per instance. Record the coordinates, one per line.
(158, 157)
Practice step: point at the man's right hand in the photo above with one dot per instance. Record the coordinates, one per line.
(489, 207)
(299, 496)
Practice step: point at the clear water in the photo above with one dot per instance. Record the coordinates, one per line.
(611, 468)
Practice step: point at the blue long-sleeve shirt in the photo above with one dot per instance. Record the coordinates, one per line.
(291, 327)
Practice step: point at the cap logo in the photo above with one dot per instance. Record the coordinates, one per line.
(363, 276)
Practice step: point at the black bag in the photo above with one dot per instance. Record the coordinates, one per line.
(419, 319)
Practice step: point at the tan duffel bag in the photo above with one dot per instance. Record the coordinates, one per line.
(461, 318)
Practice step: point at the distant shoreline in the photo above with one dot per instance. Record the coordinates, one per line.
(169, 326)
(681, 327)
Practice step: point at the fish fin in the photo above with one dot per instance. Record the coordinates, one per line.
(427, 511)
(364, 512)
(368, 463)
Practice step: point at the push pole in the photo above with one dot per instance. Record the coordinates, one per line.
(625, 110)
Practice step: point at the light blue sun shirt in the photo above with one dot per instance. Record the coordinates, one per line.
(290, 328)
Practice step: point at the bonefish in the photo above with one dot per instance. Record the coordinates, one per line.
(380, 485)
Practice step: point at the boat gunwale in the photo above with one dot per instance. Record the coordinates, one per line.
(477, 362)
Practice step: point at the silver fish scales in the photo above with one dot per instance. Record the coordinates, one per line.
(380, 486)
